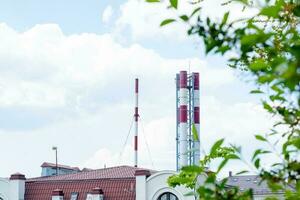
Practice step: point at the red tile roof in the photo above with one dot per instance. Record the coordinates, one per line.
(106, 173)
(117, 183)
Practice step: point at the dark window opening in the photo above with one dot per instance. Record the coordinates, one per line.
(168, 196)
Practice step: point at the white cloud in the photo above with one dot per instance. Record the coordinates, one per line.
(143, 19)
(107, 14)
(86, 82)
(44, 67)
(105, 157)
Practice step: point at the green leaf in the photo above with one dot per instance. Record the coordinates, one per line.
(195, 11)
(277, 89)
(195, 133)
(192, 169)
(250, 40)
(167, 21)
(256, 92)
(277, 97)
(243, 2)
(232, 156)
(174, 3)
(223, 49)
(296, 10)
(216, 146)
(184, 18)
(258, 64)
(242, 172)
(276, 164)
(274, 186)
(222, 164)
(266, 78)
(225, 18)
(268, 107)
(258, 152)
(257, 163)
(152, 1)
(295, 49)
(261, 138)
(274, 10)
(271, 11)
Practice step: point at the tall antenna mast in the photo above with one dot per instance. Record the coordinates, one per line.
(136, 117)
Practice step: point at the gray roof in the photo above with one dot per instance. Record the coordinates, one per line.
(250, 182)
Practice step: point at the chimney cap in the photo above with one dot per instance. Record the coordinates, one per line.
(97, 190)
(57, 192)
(17, 176)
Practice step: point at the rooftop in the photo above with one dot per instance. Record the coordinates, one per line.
(105, 173)
(253, 182)
(47, 164)
(116, 183)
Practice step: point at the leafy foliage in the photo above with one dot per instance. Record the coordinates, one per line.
(266, 47)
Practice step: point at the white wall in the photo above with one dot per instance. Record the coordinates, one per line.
(12, 189)
(157, 185)
(4, 188)
(17, 189)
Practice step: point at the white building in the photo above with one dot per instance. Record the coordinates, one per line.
(12, 188)
(123, 182)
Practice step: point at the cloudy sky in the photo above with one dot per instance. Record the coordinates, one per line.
(67, 72)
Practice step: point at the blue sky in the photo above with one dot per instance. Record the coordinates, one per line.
(67, 71)
(72, 16)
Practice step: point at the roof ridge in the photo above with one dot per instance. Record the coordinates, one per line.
(50, 164)
(128, 171)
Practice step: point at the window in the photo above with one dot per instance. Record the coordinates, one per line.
(167, 196)
(74, 196)
(89, 196)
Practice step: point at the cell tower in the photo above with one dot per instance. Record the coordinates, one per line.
(136, 121)
(187, 117)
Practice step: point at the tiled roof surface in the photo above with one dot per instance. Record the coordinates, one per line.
(106, 173)
(117, 183)
(114, 189)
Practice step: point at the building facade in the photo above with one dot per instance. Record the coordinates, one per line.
(115, 183)
(50, 169)
(123, 182)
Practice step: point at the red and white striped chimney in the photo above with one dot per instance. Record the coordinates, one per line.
(136, 118)
(196, 120)
(183, 126)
